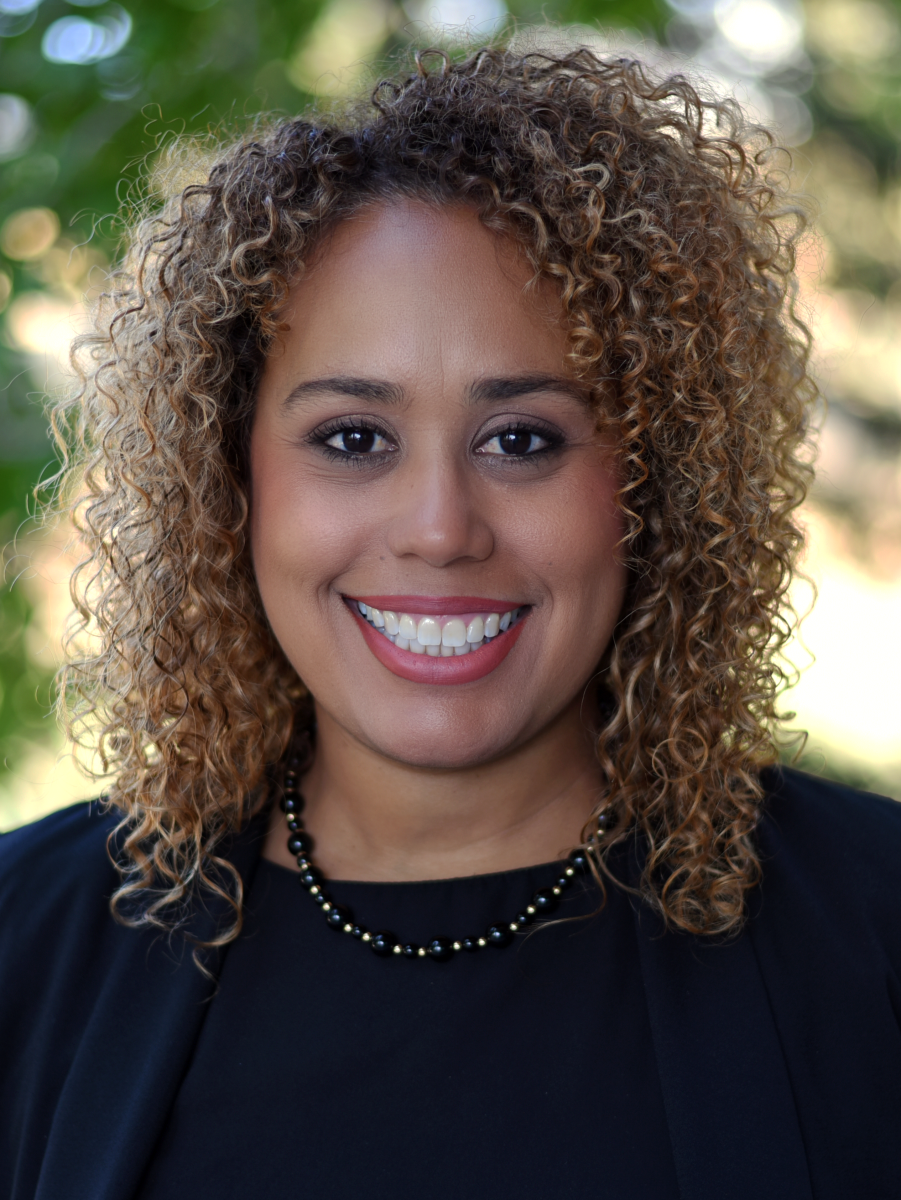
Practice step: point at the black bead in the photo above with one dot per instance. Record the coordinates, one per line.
(303, 862)
(358, 931)
(320, 898)
(578, 860)
(411, 950)
(293, 805)
(564, 881)
(300, 843)
(295, 824)
(471, 944)
(311, 877)
(383, 943)
(523, 920)
(544, 901)
(440, 949)
(294, 764)
(339, 916)
(498, 935)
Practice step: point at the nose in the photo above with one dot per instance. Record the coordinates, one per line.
(438, 516)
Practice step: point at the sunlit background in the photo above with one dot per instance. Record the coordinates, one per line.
(92, 93)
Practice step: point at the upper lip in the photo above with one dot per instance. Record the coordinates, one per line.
(438, 606)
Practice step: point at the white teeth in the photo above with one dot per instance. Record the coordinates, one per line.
(453, 633)
(429, 632)
(428, 636)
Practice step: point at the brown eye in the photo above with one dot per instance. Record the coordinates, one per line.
(357, 440)
(515, 443)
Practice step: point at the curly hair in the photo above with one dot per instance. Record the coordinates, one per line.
(668, 228)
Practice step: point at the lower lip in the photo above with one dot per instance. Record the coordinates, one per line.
(422, 668)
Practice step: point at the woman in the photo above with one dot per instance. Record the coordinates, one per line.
(437, 467)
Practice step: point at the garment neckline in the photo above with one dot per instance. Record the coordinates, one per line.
(511, 874)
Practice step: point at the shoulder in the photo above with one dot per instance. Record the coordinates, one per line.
(830, 825)
(60, 848)
(54, 872)
(831, 852)
(825, 929)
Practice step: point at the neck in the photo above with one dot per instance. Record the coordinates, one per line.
(373, 818)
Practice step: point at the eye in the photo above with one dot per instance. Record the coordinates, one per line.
(515, 442)
(357, 439)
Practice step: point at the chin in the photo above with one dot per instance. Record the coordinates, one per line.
(449, 748)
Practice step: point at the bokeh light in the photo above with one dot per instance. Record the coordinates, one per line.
(78, 40)
(16, 126)
(95, 98)
(29, 233)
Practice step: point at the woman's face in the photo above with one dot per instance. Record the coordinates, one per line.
(421, 447)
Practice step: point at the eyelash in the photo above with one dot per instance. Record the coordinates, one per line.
(553, 437)
(320, 438)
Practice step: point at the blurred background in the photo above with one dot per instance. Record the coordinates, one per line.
(92, 94)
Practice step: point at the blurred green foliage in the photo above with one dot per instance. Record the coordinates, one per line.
(95, 127)
(24, 684)
(187, 66)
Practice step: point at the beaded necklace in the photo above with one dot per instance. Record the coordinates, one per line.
(438, 949)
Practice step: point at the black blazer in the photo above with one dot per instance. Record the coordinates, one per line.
(779, 1051)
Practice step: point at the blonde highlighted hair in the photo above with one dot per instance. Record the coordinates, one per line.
(670, 235)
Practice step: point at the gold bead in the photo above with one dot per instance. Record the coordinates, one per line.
(556, 891)
(348, 928)
(482, 942)
(314, 890)
(514, 928)
(398, 950)
(458, 946)
(531, 910)
(326, 907)
(367, 937)
(569, 871)
(422, 953)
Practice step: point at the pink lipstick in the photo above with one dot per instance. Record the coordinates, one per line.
(438, 639)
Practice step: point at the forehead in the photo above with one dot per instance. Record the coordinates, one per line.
(407, 287)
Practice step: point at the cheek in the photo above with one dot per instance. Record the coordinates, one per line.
(572, 540)
(301, 538)
(595, 531)
(588, 579)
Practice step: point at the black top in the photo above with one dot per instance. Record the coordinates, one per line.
(776, 1054)
(528, 1069)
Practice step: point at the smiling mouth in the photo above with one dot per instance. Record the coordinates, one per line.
(440, 636)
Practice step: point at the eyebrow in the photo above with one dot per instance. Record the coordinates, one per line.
(493, 391)
(487, 391)
(346, 385)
